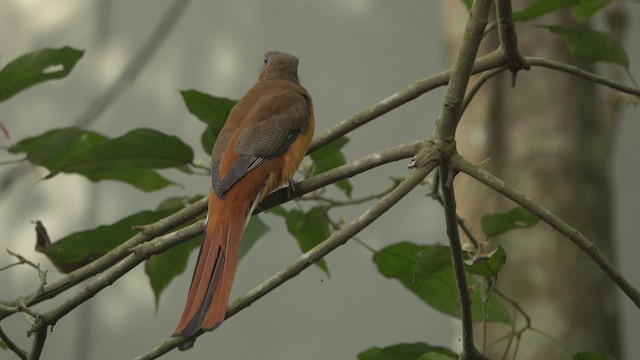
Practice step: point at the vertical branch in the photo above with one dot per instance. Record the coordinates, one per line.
(38, 343)
(509, 39)
(506, 28)
(447, 122)
(451, 219)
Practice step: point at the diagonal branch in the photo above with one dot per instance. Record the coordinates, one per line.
(351, 169)
(148, 232)
(419, 87)
(137, 255)
(555, 222)
(576, 71)
(305, 260)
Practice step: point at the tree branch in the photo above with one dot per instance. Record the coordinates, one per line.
(576, 71)
(419, 87)
(555, 222)
(136, 255)
(114, 256)
(305, 260)
(446, 180)
(509, 39)
(447, 122)
(38, 344)
(473, 90)
(353, 168)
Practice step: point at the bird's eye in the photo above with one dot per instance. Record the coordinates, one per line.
(266, 59)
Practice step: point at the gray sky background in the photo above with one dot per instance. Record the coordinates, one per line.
(352, 54)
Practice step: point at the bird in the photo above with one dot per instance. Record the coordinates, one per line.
(259, 148)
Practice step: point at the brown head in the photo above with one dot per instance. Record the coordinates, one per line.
(279, 65)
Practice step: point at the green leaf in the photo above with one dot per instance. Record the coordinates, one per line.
(310, 229)
(254, 231)
(424, 271)
(402, 352)
(488, 265)
(50, 148)
(588, 8)
(36, 67)
(589, 355)
(3, 345)
(591, 45)
(329, 157)
(541, 7)
(96, 157)
(499, 223)
(211, 110)
(81, 248)
(139, 149)
(468, 3)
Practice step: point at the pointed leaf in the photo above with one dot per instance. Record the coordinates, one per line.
(435, 285)
(541, 7)
(3, 345)
(488, 265)
(254, 231)
(211, 110)
(329, 157)
(65, 149)
(402, 352)
(81, 248)
(591, 45)
(139, 149)
(499, 223)
(50, 148)
(36, 67)
(310, 229)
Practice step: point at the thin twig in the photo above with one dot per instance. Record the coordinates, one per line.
(576, 71)
(356, 201)
(555, 222)
(482, 79)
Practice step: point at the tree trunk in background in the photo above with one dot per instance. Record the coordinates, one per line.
(550, 137)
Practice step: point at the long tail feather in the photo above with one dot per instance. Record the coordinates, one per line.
(216, 266)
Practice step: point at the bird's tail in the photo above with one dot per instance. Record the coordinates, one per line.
(217, 262)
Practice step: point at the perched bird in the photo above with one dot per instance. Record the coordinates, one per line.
(259, 148)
